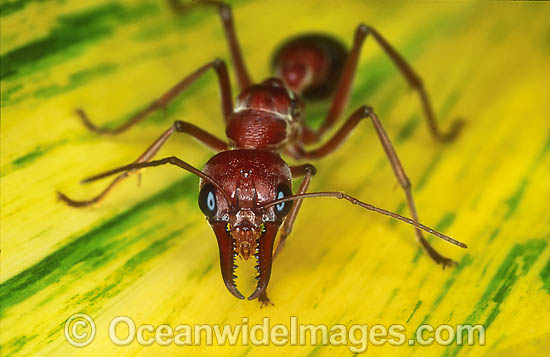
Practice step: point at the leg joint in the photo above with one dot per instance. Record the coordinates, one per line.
(362, 30)
(172, 159)
(405, 182)
(225, 12)
(217, 63)
(180, 125)
(366, 110)
(310, 169)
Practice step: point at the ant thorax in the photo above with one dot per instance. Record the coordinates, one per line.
(266, 116)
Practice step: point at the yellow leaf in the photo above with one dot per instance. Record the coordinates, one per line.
(146, 252)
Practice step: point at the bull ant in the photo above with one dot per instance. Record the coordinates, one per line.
(245, 189)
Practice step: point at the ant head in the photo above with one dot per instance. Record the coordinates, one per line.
(270, 96)
(243, 226)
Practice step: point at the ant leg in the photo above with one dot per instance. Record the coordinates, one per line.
(226, 16)
(362, 113)
(178, 126)
(225, 89)
(264, 300)
(343, 91)
(307, 171)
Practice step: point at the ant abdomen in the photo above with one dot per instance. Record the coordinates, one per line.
(310, 65)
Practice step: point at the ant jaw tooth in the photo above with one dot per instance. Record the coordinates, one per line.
(232, 287)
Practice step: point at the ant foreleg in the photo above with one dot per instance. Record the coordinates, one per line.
(344, 87)
(341, 135)
(178, 126)
(226, 16)
(264, 300)
(307, 171)
(225, 89)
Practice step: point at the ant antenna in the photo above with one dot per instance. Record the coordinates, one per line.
(369, 207)
(168, 160)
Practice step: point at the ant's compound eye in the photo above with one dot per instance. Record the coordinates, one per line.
(207, 200)
(283, 208)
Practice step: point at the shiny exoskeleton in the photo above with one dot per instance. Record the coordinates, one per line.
(246, 188)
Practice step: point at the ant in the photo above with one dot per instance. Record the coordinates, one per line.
(245, 189)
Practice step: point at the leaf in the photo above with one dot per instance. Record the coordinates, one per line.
(145, 252)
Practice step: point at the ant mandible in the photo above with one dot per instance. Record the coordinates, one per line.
(245, 189)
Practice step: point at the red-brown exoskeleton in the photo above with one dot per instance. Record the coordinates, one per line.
(245, 189)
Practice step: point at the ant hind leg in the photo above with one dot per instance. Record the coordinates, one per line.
(343, 90)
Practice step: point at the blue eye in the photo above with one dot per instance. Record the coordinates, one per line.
(207, 200)
(281, 205)
(282, 209)
(211, 201)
